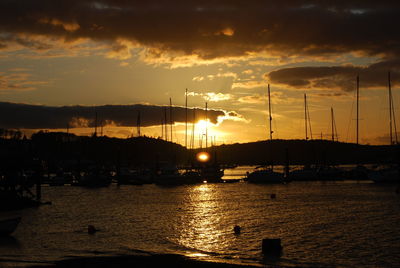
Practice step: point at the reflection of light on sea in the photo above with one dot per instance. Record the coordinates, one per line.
(202, 227)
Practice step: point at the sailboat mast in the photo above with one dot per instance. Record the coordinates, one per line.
(170, 116)
(390, 110)
(305, 114)
(333, 130)
(358, 96)
(392, 114)
(270, 116)
(95, 124)
(165, 124)
(162, 128)
(193, 128)
(186, 118)
(138, 124)
(206, 127)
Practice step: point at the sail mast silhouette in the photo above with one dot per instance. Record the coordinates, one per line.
(270, 115)
(392, 118)
(138, 122)
(333, 126)
(358, 96)
(305, 114)
(170, 117)
(186, 118)
(206, 127)
(307, 120)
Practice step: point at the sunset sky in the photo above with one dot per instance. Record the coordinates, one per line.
(60, 59)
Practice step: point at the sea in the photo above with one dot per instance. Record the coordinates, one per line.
(320, 224)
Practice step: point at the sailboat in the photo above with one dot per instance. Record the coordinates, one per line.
(389, 174)
(327, 171)
(266, 174)
(307, 172)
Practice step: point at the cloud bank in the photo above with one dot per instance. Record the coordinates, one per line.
(337, 77)
(207, 28)
(24, 116)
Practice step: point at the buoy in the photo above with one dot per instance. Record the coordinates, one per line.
(237, 229)
(273, 196)
(91, 229)
(271, 246)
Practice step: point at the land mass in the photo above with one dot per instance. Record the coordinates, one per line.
(65, 148)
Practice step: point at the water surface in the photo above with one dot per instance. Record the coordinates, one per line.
(331, 224)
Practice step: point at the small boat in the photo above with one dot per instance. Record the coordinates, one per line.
(265, 175)
(8, 226)
(130, 176)
(169, 175)
(359, 172)
(330, 173)
(60, 179)
(306, 173)
(211, 173)
(93, 179)
(385, 175)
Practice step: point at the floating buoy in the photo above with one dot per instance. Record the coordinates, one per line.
(91, 229)
(271, 246)
(237, 229)
(273, 196)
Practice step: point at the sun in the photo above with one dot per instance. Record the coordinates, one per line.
(203, 156)
(202, 125)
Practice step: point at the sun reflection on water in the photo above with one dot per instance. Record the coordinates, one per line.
(201, 227)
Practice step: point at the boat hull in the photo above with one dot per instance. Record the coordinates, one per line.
(8, 226)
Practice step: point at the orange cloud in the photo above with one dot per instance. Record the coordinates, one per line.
(17, 80)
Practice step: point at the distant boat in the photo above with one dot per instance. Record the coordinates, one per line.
(330, 173)
(265, 175)
(134, 176)
(359, 172)
(94, 178)
(385, 175)
(8, 226)
(169, 175)
(59, 179)
(212, 173)
(306, 173)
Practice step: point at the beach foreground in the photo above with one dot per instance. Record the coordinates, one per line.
(159, 260)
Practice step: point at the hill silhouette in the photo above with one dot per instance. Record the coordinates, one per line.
(59, 147)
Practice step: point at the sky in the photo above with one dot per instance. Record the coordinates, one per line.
(64, 62)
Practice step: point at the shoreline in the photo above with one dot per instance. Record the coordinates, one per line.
(156, 260)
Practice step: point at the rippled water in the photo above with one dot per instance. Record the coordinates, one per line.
(345, 224)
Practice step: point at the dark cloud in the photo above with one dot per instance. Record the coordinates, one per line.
(212, 28)
(337, 77)
(46, 117)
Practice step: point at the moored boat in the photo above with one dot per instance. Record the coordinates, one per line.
(385, 175)
(265, 175)
(8, 226)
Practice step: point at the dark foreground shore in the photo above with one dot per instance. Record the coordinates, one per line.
(169, 260)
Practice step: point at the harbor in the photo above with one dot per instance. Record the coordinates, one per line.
(197, 221)
(199, 134)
